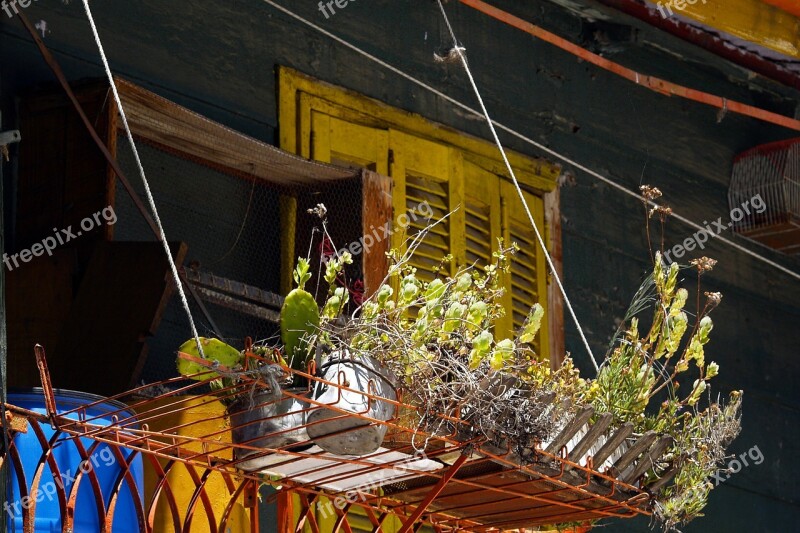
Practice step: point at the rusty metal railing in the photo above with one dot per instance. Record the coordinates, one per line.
(449, 484)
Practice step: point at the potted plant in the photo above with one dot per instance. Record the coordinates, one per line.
(435, 339)
(266, 391)
(438, 337)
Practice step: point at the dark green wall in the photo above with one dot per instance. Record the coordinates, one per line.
(219, 59)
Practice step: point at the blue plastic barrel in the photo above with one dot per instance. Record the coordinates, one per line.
(101, 460)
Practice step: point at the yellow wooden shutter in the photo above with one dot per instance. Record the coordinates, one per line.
(425, 173)
(527, 282)
(344, 143)
(482, 214)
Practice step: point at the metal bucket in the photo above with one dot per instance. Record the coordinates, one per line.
(340, 434)
(270, 423)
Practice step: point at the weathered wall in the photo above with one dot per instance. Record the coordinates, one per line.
(220, 58)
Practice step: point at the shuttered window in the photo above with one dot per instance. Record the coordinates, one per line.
(527, 282)
(427, 178)
(435, 167)
(346, 144)
(441, 170)
(482, 214)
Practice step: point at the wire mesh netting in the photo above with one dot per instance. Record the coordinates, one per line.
(235, 234)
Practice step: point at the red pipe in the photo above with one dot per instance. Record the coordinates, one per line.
(411, 521)
(650, 82)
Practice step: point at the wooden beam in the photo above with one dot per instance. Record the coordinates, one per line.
(555, 301)
(177, 129)
(376, 212)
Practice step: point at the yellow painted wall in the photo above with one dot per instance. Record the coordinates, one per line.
(206, 417)
(751, 20)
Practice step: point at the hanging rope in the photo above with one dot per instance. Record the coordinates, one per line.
(459, 50)
(162, 237)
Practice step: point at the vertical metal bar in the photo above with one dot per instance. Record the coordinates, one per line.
(47, 385)
(285, 512)
(3, 341)
(408, 525)
(254, 525)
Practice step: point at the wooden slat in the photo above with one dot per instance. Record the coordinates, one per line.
(570, 429)
(648, 459)
(634, 451)
(376, 212)
(555, 301)
(591, 436)
(612, 444)
(178, 129)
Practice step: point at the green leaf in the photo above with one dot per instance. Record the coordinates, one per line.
(481, 346)
(454, 316)
(677, 328)
(699, 388)
(532, 324)
(384, 293)
(502, 355)
(214, 350)
(464, 282)
(301, 273)
(409, 288)
(336, 303)
(435, 290)
(299, 321)
(679, 302)
(477, 314)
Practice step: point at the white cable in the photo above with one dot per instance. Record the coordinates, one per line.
(176, 278)
(520, 136)
(460, 51)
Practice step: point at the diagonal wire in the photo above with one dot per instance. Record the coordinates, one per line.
(608, 181)
(460, 51)
(175, 276)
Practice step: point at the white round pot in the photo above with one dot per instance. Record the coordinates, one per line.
(334, 431)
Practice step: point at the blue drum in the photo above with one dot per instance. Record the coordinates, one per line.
(102, 465)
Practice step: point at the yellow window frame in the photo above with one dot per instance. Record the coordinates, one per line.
(304, 104)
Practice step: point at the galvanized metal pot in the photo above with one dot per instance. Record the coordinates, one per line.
(268, 421)
(338, 433)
